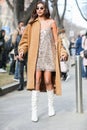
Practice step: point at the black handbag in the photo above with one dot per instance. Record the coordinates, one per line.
(85, 53)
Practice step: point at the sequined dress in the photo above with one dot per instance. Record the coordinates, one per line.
(46, 52)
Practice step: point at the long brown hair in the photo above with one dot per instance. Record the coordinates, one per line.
(34, 13)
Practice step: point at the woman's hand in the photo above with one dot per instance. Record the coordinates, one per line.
(63, 58)
(21, 54)
(16, 57)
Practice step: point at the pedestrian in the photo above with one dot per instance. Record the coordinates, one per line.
(2, 51)
(84, 46)
(20, 64)
(10, 52)
(79, 50)
(72, 47)
(65, 75)
(17, 31)
(15, 40)
(40, 41)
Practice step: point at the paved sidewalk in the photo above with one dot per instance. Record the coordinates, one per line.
(15, 110)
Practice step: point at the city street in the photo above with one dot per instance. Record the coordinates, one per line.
(15, 109)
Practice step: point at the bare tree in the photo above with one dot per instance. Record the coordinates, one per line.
(18, 10)
(10, 5)
(56, 14)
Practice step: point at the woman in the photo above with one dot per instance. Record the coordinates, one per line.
(64, 75)
(40, 40)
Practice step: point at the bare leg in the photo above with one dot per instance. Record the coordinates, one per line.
(48, 82)
(38, 79)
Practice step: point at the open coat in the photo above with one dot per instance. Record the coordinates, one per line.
(30, 43)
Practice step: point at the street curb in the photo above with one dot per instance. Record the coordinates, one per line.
(9, 88)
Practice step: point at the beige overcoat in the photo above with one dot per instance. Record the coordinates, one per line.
(30, 43)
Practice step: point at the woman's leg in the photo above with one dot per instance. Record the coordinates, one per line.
(50, 92)
(48, 80)
(35, 96)
(38, 79)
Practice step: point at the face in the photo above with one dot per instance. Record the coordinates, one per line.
(3, 33)
(40, 10)
(22, 30)
(21, 24)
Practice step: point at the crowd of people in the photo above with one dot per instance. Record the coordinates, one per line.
(9, 55)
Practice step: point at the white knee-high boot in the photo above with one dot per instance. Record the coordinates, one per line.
(34, 105)
(51, 111)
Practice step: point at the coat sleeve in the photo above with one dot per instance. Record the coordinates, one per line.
(25, 40)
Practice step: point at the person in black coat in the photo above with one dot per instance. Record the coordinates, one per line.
(21, 64)
(2, 49)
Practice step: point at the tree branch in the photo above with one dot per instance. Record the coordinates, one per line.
(10, 5)
(80, 10)
(64, 10)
